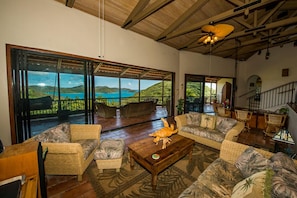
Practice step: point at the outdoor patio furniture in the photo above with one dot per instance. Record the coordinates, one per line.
(105, 111)
(135, 109)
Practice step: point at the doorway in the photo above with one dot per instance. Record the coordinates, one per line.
(202, 92)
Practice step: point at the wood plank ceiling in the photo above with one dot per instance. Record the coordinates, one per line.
(259, 24)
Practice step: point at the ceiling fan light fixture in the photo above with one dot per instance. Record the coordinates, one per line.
(215, 33)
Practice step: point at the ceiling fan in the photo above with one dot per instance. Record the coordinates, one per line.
(214, 33)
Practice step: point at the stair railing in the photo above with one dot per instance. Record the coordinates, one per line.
(275, 97)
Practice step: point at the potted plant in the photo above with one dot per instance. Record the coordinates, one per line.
(180, 106)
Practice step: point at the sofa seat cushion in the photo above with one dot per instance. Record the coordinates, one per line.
(217, 180)
(57, 134)
(88, 146)
(204, 132)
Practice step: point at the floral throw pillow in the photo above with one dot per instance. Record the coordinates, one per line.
(57, 134)
(193, 118)
(208, 121)
(251, 162)
(281, 160)
(225, 124)
(257, 185)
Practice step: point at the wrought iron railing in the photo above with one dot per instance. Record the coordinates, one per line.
(76, 106)
(275, 97)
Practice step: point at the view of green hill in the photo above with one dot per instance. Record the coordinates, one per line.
(156, 90)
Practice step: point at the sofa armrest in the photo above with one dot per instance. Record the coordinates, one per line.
(85, 131)
(233, 133)
(230, 151)
(181, 120)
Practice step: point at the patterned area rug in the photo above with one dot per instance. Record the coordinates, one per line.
(137, 182)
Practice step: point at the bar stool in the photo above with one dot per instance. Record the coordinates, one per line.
(244, 116)
(223, 112)
(273, 122)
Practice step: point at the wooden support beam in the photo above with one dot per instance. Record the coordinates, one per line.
(147, 12)
(217, 18)
(187, 14)
(138, 8)
(70, 3)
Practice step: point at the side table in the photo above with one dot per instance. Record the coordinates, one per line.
(283, 137)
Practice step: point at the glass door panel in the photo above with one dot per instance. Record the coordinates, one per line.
(194, 93)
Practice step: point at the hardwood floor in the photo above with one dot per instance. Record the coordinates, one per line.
(68, 186)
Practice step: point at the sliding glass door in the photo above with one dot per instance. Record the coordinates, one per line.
(48, 91)
(194, 93)
(201, 92)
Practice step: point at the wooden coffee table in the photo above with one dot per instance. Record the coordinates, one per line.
(142, 151)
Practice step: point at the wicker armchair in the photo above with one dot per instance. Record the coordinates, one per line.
(105, 111)
(73, 157)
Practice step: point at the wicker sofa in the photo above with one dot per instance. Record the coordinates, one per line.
(70, 148)
(135, 109)
(237, 165)
(209, 130)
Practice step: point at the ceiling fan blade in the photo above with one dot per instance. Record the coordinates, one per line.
(222, 30)
(208, 28)
(202, 38)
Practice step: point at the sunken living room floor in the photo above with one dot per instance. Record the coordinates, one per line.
(68, 186)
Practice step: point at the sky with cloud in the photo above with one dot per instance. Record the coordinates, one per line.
(73, 80)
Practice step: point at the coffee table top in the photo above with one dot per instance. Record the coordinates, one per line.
(145, 148)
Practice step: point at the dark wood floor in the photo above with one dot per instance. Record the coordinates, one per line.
(68, 186)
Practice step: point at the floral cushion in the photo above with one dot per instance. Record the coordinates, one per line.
(193, 118)
(225, 124)
(57, 134)
(208, 121)
(284, 184)
(217, 180)
(281, 160)
(257, 185)
(251, 162)
(88, 146)
(110, 149)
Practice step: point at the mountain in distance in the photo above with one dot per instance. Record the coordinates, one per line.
(39, 91)
(156, 89)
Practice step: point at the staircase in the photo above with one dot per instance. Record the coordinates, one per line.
(273, 98)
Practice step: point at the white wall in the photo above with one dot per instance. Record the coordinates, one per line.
(270, 71)
(50, 25)
(198, 64)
